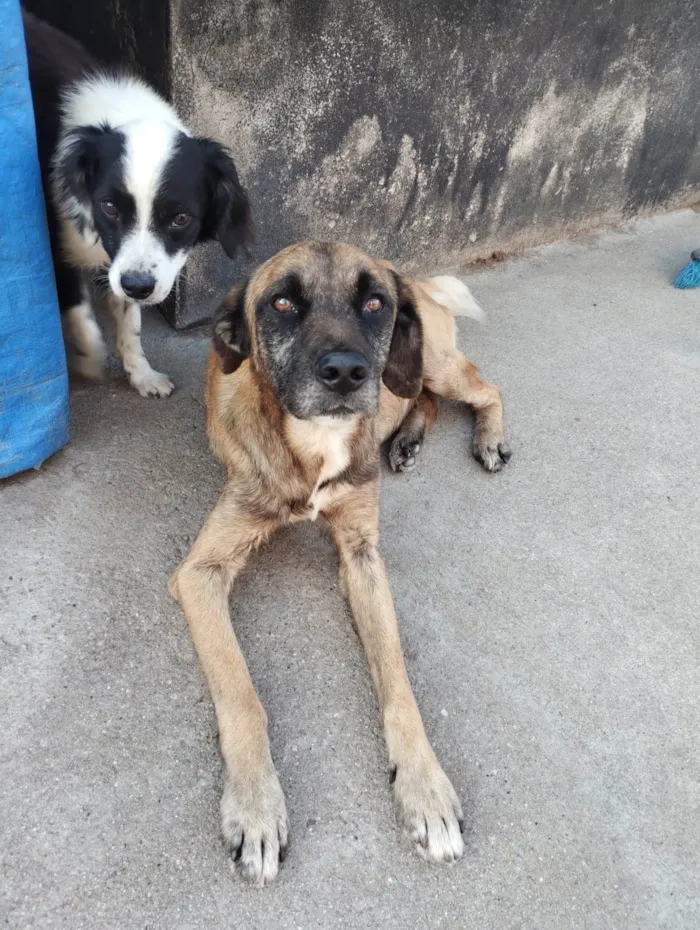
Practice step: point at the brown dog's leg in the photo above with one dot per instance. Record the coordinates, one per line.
(428, 806)
(453, 376)
(254, 815)
(448, 373)
(407, 440)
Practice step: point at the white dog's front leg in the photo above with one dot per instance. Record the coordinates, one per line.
(85, 347)
(148, 383)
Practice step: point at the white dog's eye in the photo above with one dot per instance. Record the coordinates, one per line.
(282, 304)
(180, 220)
(109, 209)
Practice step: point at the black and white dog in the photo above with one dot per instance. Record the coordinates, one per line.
(129, 190)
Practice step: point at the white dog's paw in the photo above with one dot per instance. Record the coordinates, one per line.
(150, 383)
(429, 809)
(90, 365)
(86, 351)
(255, 825)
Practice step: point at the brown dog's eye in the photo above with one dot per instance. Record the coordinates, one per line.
(374, 304)
(282, 304)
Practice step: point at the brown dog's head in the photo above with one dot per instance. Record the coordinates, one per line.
(324, 323)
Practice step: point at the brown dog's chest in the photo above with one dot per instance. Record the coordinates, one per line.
(283, 467)
(325, 450)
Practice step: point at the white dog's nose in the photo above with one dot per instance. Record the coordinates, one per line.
(136, 285)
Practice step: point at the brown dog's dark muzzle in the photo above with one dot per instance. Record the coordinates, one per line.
(342, 372)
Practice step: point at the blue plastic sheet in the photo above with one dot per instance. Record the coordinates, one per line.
(33, 380)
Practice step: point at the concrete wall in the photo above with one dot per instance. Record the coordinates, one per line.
(436, 132)
(430, 131)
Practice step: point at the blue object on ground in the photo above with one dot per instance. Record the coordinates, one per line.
(690, 275)
(33, 378)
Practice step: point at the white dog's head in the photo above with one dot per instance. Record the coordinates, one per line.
(128, 173)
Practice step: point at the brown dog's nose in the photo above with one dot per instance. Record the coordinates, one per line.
(342, 372)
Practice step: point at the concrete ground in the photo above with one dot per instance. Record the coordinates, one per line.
(549, 617)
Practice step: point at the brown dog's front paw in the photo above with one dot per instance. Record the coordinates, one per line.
(403, 452)
(492, 452)
(429, 810)
(255, 825)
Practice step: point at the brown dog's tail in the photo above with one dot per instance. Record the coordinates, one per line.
(453, 295)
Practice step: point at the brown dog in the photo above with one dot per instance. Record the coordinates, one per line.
(296, 410)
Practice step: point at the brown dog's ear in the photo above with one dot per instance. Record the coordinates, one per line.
(231, 333)
(403, 374)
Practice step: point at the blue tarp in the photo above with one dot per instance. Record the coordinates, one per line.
(33, 380)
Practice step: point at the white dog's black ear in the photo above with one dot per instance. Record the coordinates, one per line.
(228, 217)
(403, 374)
(78, 157)
(231, 333)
